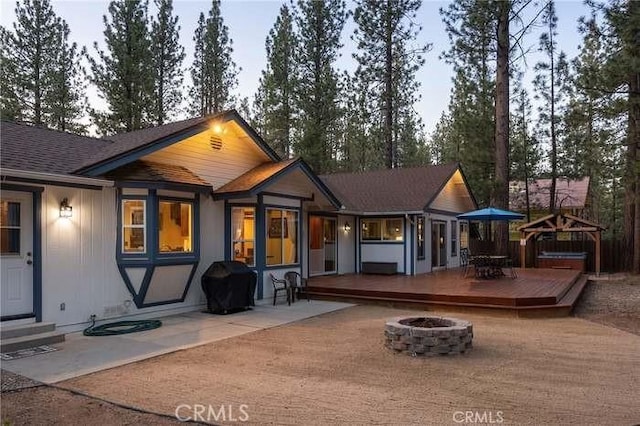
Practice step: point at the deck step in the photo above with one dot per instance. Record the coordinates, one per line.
(9, 332)
(31, 341)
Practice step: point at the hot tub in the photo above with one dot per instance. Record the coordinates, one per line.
(563, 260)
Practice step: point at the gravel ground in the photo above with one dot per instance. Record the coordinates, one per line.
(333, 369)
(615, 303)
(45, 405)
(11, 381)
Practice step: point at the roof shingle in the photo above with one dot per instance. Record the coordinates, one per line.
(37, 149)
(391, 190)
(254, 177)
(151, 171)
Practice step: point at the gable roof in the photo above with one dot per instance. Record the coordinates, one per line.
(257, 178)
(131, 146)
(151, 171)
(36, 149)
(570, 193)
(392, 190)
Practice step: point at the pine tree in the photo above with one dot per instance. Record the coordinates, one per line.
(471, 27)
(28, 59)
(278, 84)
(121, 74)
(167, 56)
(213, 73)
(319, 24)
(385, 30)
(65, 96)
(619, 31)
(551, 85)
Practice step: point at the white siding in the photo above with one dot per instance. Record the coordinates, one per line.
(454, 197)
(372, 252)
(79, 258)
(237, 156)
(346, 245)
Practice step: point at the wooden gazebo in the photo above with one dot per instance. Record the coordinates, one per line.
(560, 222)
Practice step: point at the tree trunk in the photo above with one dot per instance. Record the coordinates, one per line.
(554, 147)
(388, 90)
(632, 193)
(501, 187)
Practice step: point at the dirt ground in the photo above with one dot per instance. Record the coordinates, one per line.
(333, 369)
(615, 303)
(44, 405)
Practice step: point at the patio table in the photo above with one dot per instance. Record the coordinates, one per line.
(488, 266)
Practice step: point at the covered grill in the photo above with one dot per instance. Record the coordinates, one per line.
(229, 287)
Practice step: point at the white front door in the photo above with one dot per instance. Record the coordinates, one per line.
(16, 242)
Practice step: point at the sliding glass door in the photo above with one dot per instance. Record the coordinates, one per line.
(323, 247)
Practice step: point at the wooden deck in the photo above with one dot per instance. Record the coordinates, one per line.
(536, 292)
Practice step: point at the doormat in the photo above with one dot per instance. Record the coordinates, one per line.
(23, 353)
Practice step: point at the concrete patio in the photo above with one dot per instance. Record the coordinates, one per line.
(80, 355)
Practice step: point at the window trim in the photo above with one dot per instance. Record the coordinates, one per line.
(382, 220)
(454, 235)
(422, 256)
(266, 236)
(232, 240)
(145, 219)
(171, 254)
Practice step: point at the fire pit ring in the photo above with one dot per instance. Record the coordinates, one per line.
(428, 335)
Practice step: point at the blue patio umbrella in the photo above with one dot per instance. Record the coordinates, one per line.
(491, 213)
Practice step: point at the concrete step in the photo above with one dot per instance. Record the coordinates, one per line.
(31, 341)
(9, 332)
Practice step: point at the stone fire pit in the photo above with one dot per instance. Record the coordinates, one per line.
(425, 336)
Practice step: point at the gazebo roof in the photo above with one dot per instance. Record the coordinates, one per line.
(561, 222)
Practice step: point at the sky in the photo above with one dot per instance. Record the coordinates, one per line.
(249, 23)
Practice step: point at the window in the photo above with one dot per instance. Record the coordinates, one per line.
(382, 230)
(10, 227)
(454, 238)
(282, 237)
(175, 227)
(421, 237)
(243, 230)
(464, 235)
(134, 235)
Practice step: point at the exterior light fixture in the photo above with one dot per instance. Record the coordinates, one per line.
(65, 209)
(347, 227)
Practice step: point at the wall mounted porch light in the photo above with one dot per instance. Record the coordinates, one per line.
(65, 209)
(347, 227)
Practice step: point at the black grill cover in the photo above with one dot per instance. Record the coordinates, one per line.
(229, 287)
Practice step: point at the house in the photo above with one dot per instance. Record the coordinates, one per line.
(403, 216)
(126, 225)
(573, 196)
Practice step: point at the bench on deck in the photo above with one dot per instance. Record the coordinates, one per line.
(380, 268)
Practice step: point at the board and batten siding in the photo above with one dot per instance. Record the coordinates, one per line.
(454, 197)
(218, 167)
(80, 276)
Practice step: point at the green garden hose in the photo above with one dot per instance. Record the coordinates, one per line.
(120, 327)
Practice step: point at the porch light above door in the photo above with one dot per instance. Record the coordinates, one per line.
(347, 227)
(65, 209)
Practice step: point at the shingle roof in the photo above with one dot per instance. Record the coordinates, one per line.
(125, 142)
(391, 190)
(570, 193)
(254, 177)
(36, 149)
(151, 171)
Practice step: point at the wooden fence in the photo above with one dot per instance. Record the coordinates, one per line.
(612, 254)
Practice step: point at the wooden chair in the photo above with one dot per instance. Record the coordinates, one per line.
(296, 283)
(280, 285)
(464, 261)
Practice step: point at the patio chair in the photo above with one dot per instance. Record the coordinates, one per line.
(280, 285)
(464, 261)
(297, 284)
(508, 264)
